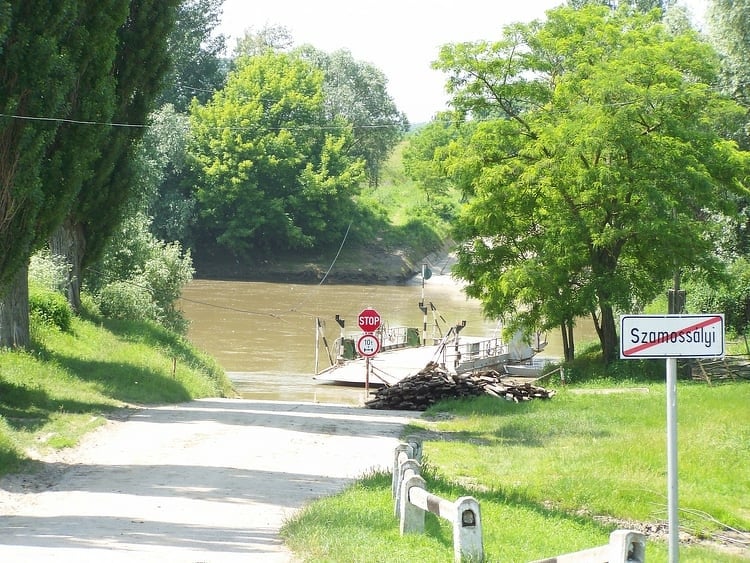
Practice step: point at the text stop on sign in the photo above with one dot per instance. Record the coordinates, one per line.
(369, 320)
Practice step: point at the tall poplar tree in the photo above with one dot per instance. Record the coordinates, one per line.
(141, 62)
(55, 74)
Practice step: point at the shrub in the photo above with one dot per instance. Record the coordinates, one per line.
(49, 307)
(126, 300)
(141, 277)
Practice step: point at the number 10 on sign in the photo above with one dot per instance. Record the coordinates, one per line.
(368, 345)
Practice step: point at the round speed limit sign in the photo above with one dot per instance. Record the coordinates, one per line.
(368, 345)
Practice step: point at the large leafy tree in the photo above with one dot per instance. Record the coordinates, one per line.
(730, 33)
(730, 27)
(358, 92)
(272, 172)
(423, 156)
(49, 135)
(594, 167)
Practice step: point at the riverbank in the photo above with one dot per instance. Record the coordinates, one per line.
(372, 264)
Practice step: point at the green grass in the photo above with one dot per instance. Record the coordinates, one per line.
(63, 386)
(555, 477)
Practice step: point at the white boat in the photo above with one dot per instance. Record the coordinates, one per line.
(532, 368)
(403, 355)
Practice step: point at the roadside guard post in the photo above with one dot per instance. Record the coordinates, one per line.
(672, 337)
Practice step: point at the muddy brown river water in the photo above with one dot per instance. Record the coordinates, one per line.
(263, 334)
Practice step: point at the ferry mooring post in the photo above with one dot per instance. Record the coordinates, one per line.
(426, 274)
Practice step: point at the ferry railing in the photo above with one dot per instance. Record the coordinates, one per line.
(452, 351)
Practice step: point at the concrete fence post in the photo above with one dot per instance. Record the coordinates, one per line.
(402, 452)
(406, 469)
(411, 517)
(416, 444)
(467, 531)
(627, 546)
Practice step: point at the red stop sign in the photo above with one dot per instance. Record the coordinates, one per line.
(369, 320)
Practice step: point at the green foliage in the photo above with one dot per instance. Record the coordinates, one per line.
(423, 156)
(162, 176)
(357, 92)
(141, 63)
(598, 141)
(141, 277)
(273, 173)
(71, 45)
(49, 307)
(49, 271)
(730, 296)
(196, 52)
(126, 300)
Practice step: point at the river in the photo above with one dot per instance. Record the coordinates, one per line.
(263, 334)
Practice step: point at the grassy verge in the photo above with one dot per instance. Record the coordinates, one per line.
(556, 477)
(60, 389)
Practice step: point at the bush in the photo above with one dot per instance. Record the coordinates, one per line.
(126, 300)
(49, 307)
(141, 277)
(731, 297)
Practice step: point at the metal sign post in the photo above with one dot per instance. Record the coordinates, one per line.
(368, 344)
(672, 337)
(672, 502)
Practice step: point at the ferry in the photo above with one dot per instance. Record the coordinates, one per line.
(404, 352)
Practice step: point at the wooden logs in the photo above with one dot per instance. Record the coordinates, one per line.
(433, 384)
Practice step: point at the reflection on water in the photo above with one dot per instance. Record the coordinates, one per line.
(264, 333)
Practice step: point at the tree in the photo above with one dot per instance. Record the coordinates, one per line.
(141, 62)
(730, 31)
(268, 38)
(48, 142)
(594, 183)
(161, 176)
(423, 155)
(198, 67)
(729, 24)
(358, 92)
(272, 173)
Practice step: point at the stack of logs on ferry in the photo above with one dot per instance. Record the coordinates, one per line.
(433, 384)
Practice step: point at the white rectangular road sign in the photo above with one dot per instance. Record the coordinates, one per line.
(671, 336)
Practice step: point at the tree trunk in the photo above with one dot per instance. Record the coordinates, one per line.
(566, 330)
(571, 353)
(68, 240)
(14, 312)
(608, 335)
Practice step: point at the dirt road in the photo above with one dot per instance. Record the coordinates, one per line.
(207, 481)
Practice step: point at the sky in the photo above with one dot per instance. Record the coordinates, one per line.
(399, 37)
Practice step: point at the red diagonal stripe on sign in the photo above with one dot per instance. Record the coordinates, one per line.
(691, 328)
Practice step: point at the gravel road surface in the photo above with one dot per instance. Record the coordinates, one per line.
(206, 481)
